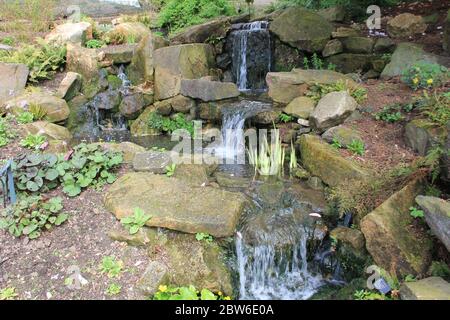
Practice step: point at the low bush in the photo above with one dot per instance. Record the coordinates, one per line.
(169, 125)
(32, 215)
(43, 59)
(318, 91)
(425, 75)
(88, 165)
(176, 14)
(6, 134)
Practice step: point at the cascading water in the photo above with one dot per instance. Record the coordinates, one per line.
(251, 55)
(231, 146)
(275, 249)
(100, 117)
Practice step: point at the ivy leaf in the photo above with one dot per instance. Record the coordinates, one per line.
(61, 218)
(52, 174)
(29, 229)
(72, 190)
(32, 186)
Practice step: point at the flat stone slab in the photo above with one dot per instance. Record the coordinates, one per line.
(152, 161)
(176, 205)
(433, 288)
(13, 80)
(208, 90)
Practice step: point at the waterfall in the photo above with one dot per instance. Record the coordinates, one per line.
(231, 146)
(251, 54)
(272, 254)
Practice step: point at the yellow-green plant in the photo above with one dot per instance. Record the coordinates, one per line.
(269, 161)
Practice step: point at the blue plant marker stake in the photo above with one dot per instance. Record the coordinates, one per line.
(6, 176)
(382, 286)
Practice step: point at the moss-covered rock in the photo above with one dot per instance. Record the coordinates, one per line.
(311, 32)
(142, 66)
(323, 161)
(175, 205)
(351, 62)
(56, 109)
(188, 61)
(433, 288)
(358, 44)
(49, 130)
(422, 135)
(342, 134)
(300, 107)
(141, 127)
(390, 238)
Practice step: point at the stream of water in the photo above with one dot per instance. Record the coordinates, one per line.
(252, 55)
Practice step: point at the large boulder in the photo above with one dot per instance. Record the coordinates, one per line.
(77, 33)
(342, 134)
(405, 25)
(128, 149)
(178, 259)
(118, 54)
(83, 61)
(286, 86)
(406, 55)
(422, 135)
(351, 62)
(332, 48)
(132, 105)
(333, 14)
(433, 288)
(140, 127)
(390, 238)
(56, 109)
(325, 162)
(49, 130)
(300, 107)
(437, 216)
(358, 44)
(142, 66)
(13, 80)
(70, 86)
(206, 90)
(311, 32)
(128, 31)
(217, 28)
(174, 63)
(152, 161)
(176, 205)
(332, 110)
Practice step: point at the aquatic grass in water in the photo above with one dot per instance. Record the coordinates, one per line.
(269, 161)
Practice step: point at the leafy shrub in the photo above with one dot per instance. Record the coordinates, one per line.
(318, 91)
(286, 118)
(8, 41)
(369, 295)
(435, 107)
(88, 165)
(166, 124)
(95, 44)
(357, 147)
(25, 117)
(113, 289)
(8, 293)
(111, 266)
(42, 59)
(31, 215)
(6, 133)
(440, 269)
(176, 14)
(394, 112)
(425, 75)
(186, 293)
(135, 222)
(170, 170)
(32, 141)
(316, 63)
(416, 213)
(204, 237)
